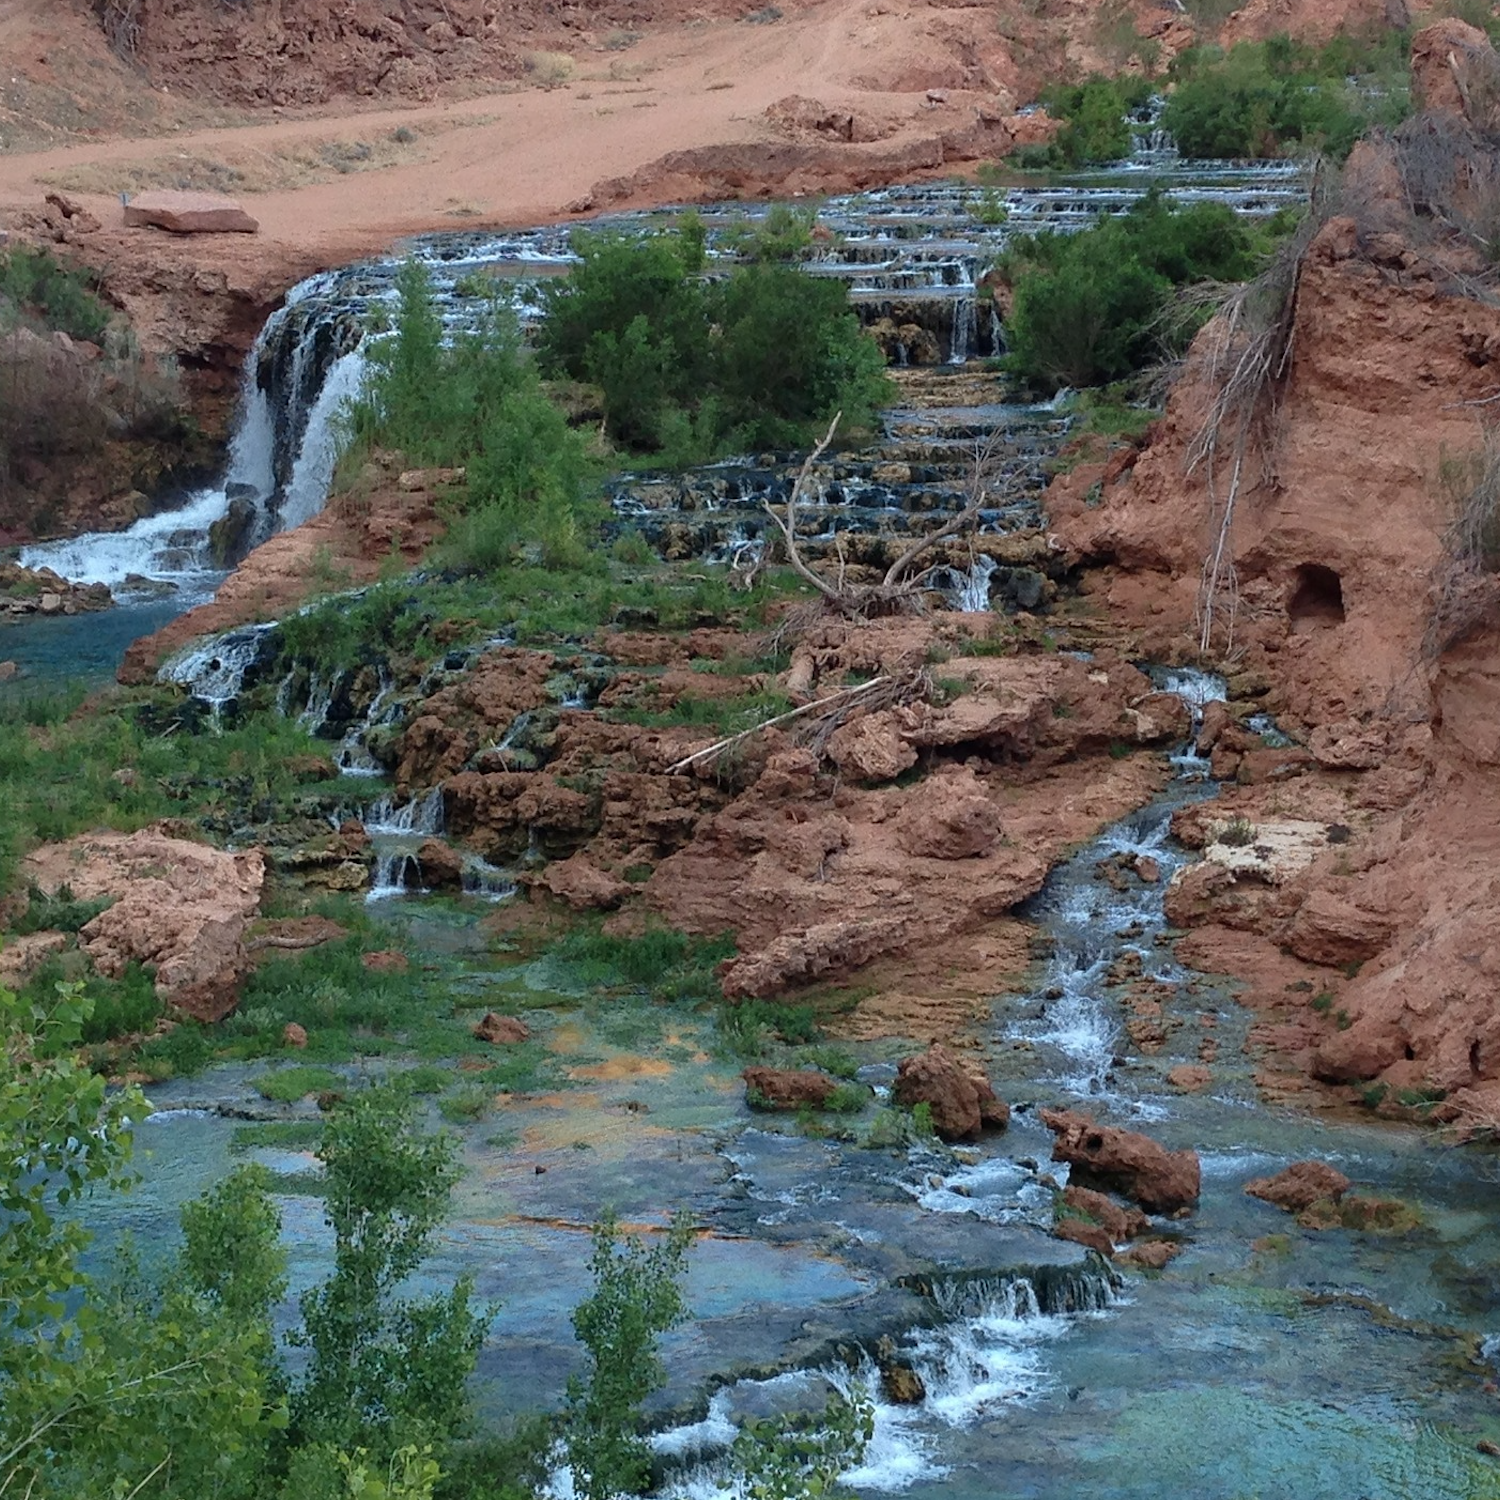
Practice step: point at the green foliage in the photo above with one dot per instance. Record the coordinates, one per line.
(36, 282)
(800, 1455)
(783, 233)
(666, 964)
(1270, 98)
(58, 913)
(745, 1026)
(1095, 127)
(690, 368)
(382, 1370)
(118, 1007)
(478, 402)
(286, 1085)
(637, 1297)
(285, 1135)
(1088, 307)
(831, 1059)
(106, 1390)
(58, 770)
(848, 1099)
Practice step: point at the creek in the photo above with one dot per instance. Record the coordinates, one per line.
(1267, 1360)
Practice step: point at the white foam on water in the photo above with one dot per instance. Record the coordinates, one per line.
(323, 441)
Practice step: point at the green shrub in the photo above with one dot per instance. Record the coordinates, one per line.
(848, 1099)
(1088, 306)
(661, 962)
(690, 368)
(35, 281)
(1270, 98)
(1095, 128)
(287, 1085)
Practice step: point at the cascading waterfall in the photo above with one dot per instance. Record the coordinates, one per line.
(214, 669)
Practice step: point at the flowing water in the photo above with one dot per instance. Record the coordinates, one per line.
(1266, 1361)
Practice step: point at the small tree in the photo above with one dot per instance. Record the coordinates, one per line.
(637, 1297)
(384, 1369)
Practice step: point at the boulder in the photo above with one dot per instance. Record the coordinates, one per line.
(21, 957)
(441, 866)
(1118, 1222)
(1081, 1232)
(293, 1035)
(501, 1030)
(871, 749)
(1300, 1185)
(1332, 931)
(961, 1104)
(1446, 58)
(188, 213)
(180, 907)
(779, 1088)
(1105, 1157)
(1150, 1255)
(949, 817)
(9, 671)
(1191, 1078)
(583, 885)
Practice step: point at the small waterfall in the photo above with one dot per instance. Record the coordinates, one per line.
(421, 815)
(320, 694)
(965, 330)
(970, 592)
(214, 669)
(305, 366)
(354, 758)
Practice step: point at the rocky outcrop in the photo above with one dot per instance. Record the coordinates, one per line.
(188, 213)
(24, 591)
(1299, 1186)
(180, 908)
(1453, 71)
(778, 1088)
(949, 817)
(1122, 1161)
(962, 1104)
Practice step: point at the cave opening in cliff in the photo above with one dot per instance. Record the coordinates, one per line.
(1317, 597)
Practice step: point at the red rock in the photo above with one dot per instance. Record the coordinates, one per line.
(385, 961)
(871, 749)
(1330, 930)
(1150, 1255)
(21, 956)
(293, 1035)
(1190, 1078)
(1133, 1165)
(1118, 1222)
(948, 816)
(961, 1104)
(778, 1088)
(182, 907)
(501, 1030)
(1446, 59)
(440, 865)
(1077, 1232)
(1300, 1185)
(188, 213)
(583, 885)
(1148, 869)
(1348, 746)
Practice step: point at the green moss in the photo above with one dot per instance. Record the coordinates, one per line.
(286, 1135)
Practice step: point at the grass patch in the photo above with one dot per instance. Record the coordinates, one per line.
(667, 965)
(285, 1135)
(287, 1085)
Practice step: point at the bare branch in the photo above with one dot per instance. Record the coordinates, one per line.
(788, 527)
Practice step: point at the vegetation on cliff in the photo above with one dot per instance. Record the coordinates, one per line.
(1090, 307)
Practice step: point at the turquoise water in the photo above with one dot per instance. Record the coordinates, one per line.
(85, 649)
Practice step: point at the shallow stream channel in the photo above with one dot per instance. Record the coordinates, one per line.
(1266, 1360)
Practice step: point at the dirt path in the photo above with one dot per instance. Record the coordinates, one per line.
(524, 155)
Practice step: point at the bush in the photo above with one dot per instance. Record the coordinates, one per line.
(36, 282)
(688, 368)
(478, 402)
(1270, 98)
(1088, 306)
(1095, 127)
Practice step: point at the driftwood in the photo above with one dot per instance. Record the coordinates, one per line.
(903, 583)
(845, 698)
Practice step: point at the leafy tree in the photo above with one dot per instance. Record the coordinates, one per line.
(106, 1390)
(689, 368)
(637, 1297)
(1088, 307)
(1094, 115)
(384, 1369)
(799, 1456)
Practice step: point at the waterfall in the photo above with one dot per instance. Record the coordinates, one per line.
(305, 365)
(214, 669)
(970, 592)
(965, 329)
